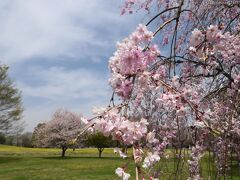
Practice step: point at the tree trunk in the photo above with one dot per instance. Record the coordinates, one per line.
(100, 150)
(63, 151)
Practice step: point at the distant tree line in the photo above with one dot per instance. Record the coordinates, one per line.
(23, 139)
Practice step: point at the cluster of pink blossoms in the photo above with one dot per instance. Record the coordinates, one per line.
(196, 154)
(121, 173)
(121, 128)
(222, 45)
(133, 55)
(130, 3)
(150, 159)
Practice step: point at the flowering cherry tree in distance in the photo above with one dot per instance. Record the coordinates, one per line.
(60, 131)
(178, 80)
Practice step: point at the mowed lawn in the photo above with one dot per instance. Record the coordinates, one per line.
(17, 163)
(33, 163)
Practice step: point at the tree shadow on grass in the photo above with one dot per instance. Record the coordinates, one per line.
(9, 159)
(77, 157)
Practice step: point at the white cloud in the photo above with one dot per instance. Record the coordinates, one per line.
(32, 28)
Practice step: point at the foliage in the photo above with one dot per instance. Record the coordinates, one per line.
(99, 141)
(38, 135)
(2, 138)
(10, 101)
(23, 139)
(26, 139)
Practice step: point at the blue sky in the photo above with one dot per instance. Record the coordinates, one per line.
(58, 52)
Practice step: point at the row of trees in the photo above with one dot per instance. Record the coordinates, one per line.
(23, 139)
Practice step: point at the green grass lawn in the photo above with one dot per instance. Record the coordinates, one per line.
(18, 163)
(32, 163)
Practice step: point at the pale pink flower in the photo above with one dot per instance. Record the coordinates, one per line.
(120, 172)
(150, 160)
(197, 37)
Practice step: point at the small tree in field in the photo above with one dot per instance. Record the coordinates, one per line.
(99, 141)
(60, 131)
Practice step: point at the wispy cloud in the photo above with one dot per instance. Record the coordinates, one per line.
(59, 83)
